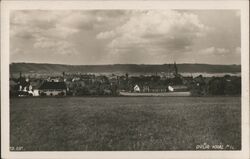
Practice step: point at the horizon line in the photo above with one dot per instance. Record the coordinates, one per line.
(115, 64)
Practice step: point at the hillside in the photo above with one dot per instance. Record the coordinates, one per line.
(122, 68)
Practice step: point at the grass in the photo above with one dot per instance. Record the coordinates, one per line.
(124, 123)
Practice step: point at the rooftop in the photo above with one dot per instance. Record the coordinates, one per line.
(53, 85)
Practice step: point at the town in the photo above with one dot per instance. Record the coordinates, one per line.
(83, 84)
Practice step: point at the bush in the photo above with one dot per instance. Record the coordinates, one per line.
(233, 87)
(61, 94)
(43, 94)
(216, 86)
(82, 91)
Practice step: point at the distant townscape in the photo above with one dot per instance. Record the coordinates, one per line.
(171, 83)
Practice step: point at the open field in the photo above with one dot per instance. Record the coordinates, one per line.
(124, 123)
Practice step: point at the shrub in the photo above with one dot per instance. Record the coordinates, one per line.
(43, 94)
(61, 94)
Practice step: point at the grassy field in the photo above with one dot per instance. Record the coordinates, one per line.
(124, 123)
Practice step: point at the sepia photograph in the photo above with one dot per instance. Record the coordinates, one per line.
(126, 79)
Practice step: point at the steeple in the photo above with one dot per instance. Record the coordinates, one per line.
(175, 69)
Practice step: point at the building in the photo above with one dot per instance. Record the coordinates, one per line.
(24, 88)
(158, 89)
(145, 89)
(178, 88)
(35, 87)
(53, 89)
(136, 88)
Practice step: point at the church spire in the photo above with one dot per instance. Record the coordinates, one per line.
(175, 68)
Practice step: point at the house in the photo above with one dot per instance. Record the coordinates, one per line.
(24, 88)
(53, 89)
(136, 88)
(145, 89)
(53, 79)
(151, 88)
(178, 88)
(158, 88)
(35, 87)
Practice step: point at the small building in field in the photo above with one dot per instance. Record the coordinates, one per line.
(145, 89)
(178, 88)
(35, 87)
(137, 88)
(24, 88)
(158, 89)
(53, 89)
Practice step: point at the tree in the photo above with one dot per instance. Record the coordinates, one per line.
(216, 86)
(233, 86)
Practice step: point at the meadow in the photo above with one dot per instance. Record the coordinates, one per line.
(124, 123)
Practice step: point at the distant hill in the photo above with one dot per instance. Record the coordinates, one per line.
(122, 68)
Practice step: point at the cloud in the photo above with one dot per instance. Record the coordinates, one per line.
(18, 51)
(78, 20)
(55, 46)
(124, 36)
(238, 50)
(48, 29)
(158, 32)
(214, 51)
(54, 30)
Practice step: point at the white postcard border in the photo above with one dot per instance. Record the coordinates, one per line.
(7, 6)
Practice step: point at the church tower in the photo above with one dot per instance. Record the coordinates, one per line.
(175, 69)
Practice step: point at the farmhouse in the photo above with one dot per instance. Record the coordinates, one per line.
(178, 88)
(158, 89)
(136, 88)
(53, 89)
(164, 88)
(151, 89)
(35, 87)
(24, 87)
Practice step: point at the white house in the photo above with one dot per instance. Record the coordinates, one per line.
(178, 88)
(170, 88)
(136, 88)
(35, 92)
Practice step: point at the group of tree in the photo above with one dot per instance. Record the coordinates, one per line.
(227, 85)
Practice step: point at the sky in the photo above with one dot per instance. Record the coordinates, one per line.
(92, 37)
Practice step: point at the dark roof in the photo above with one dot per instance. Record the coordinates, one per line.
(53, 85)
(35, 84)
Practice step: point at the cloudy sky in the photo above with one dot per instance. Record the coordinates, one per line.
(125, 36)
